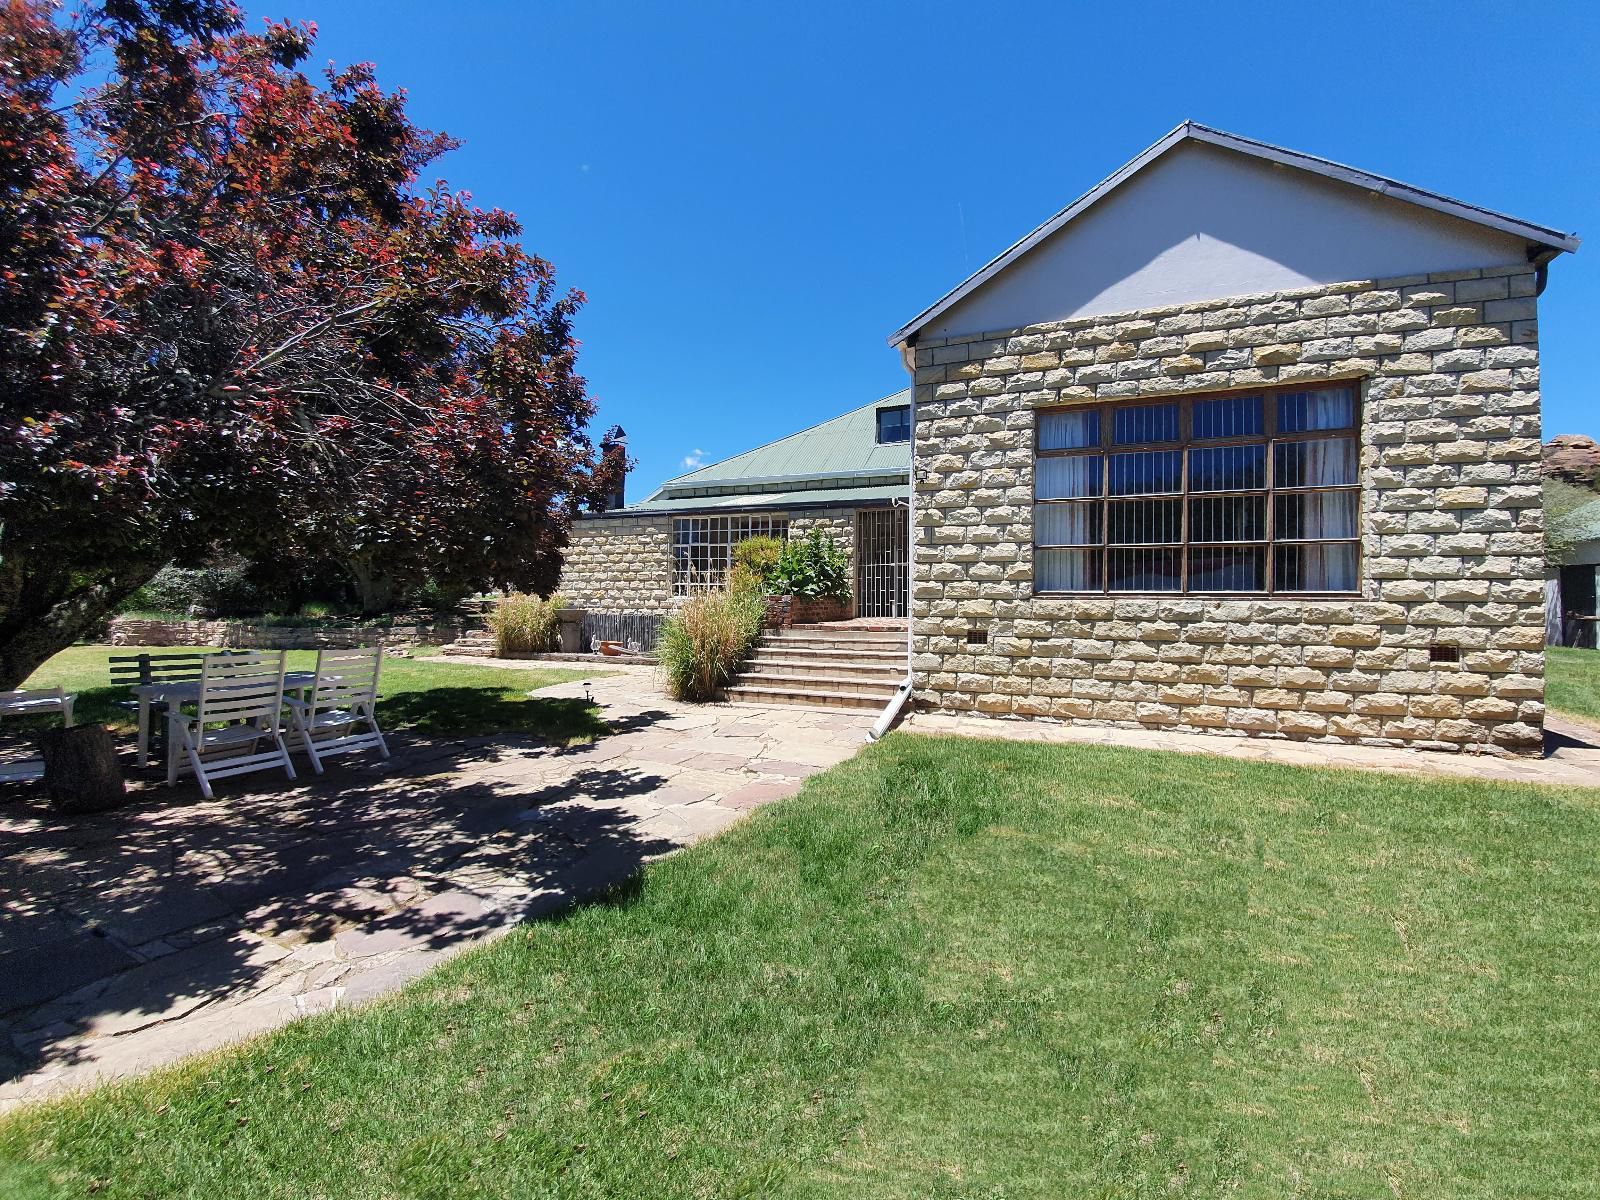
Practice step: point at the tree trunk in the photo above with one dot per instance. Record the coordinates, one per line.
(80, 769)
(44, 611)
(374, 587)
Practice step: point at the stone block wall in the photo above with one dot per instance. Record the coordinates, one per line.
(624, 564)
(247, 635)
(1452, 552)
(620, 565)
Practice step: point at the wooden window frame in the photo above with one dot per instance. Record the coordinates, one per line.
(1268, 438)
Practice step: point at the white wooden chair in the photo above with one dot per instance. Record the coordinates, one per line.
(32, 702)
(240, 706)
(338, 716)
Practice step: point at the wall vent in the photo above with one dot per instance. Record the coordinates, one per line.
(977, 637)
(1444, 654)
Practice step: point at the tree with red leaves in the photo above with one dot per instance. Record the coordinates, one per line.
(231, 316)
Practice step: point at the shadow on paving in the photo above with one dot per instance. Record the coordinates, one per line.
(114, 921)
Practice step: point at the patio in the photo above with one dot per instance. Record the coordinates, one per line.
(175, 925)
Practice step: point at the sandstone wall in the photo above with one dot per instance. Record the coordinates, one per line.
(624, 564)
(1452, 549)
(619, 565)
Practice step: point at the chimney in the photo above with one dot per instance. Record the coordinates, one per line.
(614, 454)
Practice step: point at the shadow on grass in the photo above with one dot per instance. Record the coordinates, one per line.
(477, 711)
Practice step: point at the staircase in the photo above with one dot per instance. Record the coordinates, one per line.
(478, 643)
(820, 666)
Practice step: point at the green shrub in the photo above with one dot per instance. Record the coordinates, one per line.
(702, 643)
(524, 624)
(813, 567)
(758, 556)
(220, 589)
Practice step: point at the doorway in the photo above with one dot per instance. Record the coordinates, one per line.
(881, 577)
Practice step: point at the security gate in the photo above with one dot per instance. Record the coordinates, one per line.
(881, 562)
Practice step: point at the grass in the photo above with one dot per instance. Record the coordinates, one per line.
(958, 969)
(428, 698)
(1572, 682)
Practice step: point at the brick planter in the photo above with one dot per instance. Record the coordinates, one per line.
(783, 611)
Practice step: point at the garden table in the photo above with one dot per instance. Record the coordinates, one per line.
(188, 692)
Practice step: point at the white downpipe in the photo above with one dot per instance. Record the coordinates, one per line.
(891, 710)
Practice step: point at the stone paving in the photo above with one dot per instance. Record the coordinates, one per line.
(1572, 750)
(173, 926)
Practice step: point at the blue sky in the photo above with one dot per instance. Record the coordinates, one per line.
(754, 195)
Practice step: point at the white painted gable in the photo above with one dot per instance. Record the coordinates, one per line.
(1203, 222)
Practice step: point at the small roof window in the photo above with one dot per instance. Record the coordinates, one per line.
(894, 424)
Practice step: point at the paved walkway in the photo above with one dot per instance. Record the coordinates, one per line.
(173, 926)
(1572, 755)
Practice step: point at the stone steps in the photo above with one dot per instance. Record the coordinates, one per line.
(472, 645)
(817, 667)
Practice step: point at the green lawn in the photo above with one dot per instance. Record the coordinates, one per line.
(429, 698)
(965, 969)
(1572, 682)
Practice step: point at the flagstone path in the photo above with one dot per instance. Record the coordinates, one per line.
(173, 926)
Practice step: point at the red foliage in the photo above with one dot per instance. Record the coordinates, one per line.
(230, 313)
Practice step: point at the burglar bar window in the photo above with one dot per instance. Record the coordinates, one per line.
(702, 548)
(1254, 492)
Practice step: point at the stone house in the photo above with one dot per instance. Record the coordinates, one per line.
(1241, 440)
(848, 476)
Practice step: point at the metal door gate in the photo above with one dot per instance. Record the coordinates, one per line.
(881, 539)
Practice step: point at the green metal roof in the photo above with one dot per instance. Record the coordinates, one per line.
(1582, 524)
(750, 501)
(846, 445)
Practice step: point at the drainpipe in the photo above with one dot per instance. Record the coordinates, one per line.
(891, 710)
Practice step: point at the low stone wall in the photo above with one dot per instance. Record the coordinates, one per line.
(244, 635)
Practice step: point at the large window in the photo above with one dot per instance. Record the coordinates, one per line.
(702, 548)
(1253, 492)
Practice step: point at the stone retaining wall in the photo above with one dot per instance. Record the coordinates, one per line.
(131, 631)
(1452, 554)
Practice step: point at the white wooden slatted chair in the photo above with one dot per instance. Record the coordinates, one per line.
(239, 711)
(31, 702)
(338, 716)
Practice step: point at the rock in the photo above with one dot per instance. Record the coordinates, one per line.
(1574, 458)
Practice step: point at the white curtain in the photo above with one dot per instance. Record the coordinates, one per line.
(1066, 524)
(1302, 412)
(1059, 478)
(1330, 568)
(1326, 514)
(1069, 429)
(1329, 462)
(1066, 570)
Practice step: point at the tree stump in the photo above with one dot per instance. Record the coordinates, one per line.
(81, 773)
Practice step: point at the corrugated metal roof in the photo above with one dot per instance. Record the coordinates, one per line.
(752, 501)
(1554, 239)
(846, 445)
(1582, 524)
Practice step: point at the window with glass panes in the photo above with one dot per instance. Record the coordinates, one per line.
(702, 548)
(1247, 492)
